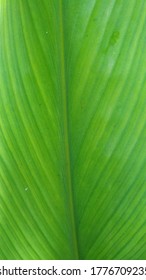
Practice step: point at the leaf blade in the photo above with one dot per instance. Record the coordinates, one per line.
(73, 130)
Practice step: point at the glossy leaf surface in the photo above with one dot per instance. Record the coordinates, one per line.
(73, 129)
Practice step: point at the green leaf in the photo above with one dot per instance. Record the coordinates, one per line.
(73, 129)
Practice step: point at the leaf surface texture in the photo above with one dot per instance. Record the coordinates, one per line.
(73, 129)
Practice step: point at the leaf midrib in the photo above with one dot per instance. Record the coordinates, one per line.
(69, 186)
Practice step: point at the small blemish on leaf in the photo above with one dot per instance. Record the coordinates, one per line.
(114, 38)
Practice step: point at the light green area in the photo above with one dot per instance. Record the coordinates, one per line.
(73, 129)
